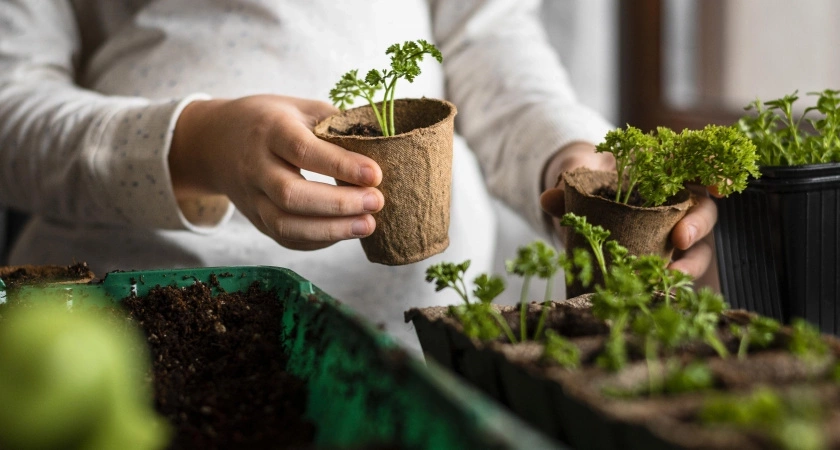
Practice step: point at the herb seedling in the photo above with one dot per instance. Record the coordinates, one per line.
(806, 341)
(781, 139)
(405, 61)
(536, 259)
(760, 332)
(479, 319)
(659, 164)
(560, 351)
(596, 235)
(692, 377)
(793, 422)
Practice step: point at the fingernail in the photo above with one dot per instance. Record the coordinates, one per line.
(359, 228)
(692, 231)
(366, 175)
(370, 202)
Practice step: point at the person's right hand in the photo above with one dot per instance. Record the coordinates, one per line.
(251, 150)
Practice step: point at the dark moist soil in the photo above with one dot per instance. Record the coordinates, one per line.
(609, 193)
(218, 369)
(358, 129)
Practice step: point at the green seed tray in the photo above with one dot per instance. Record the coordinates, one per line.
(363, 387)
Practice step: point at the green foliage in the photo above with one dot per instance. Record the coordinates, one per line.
(760, 332)
(723, 157)
(781, 139)
(692, 377)
(630, 147)
(657, 303)
(703, 309)
(596, 235)
(560, 351)
(449, 275)
(487, 288)
(806, 341)
(535, 259)
(405, 61)
(659, 164)
(479, 319)
(792, 422)
(677, 379)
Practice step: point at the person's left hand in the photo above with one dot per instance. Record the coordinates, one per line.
(691, 237)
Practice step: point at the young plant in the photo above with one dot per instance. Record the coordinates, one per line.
(692, 377)
(703, 309)
(479, 319)
(760, 332)
(792, 422)
(806, 341)
(405, 61)
(659, 164)
(535, 259)
(781, 139)
(595, 235)
(560, 351)
(629, 147)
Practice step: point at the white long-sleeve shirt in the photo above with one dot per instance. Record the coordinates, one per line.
(90, 91)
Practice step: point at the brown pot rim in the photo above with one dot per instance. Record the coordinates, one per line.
(452, 112)
(681, 205)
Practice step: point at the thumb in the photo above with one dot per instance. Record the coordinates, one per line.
(553, 201)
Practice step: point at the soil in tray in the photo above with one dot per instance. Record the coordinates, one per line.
(613, 398)
(218, 369)
(15, 276)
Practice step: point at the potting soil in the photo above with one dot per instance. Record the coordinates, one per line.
(218, 369)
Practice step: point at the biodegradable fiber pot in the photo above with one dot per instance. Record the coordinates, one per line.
(416, 176)
(778, 244)
(643, 230)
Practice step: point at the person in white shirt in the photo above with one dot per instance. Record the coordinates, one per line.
(145, 134)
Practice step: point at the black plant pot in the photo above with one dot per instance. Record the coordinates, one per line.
(778, 244)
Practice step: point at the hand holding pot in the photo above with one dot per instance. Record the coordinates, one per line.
(691, 236)
(252, 150)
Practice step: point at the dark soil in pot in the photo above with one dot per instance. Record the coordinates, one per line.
(642, 230)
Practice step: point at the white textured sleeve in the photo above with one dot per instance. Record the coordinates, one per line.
(70, 154)
(516, 106)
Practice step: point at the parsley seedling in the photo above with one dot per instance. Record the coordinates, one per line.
(535, 259)
(782, 140)
(560, 351)
(792, 422)
(659, 164)
(806, 341)
(479, 319)
(759, 332)
(405, 61)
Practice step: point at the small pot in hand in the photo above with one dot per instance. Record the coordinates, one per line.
(416, 168)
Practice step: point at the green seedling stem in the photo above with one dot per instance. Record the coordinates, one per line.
(405, 61)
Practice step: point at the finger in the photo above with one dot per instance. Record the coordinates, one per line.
(296, 195)
(697, 224)
(297, 145)
(314, 110)
(696, 260)
(284, 227)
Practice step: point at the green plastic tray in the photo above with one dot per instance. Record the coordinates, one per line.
(363, 387)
